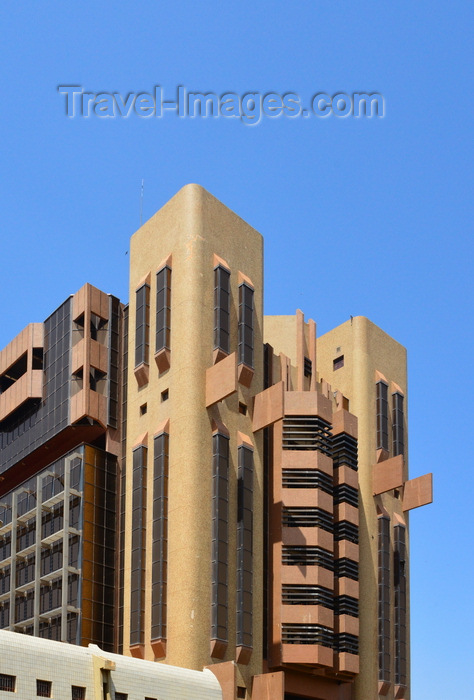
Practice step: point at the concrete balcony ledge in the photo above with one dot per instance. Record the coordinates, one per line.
(29, 386)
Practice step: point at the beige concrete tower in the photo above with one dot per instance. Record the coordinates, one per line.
(193, 553)
(356, 386)
(368, 367)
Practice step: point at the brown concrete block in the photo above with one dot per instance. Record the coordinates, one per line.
(269, 686)
(313, 654)
(98, 355)
(307, 536)
(418, 492)
(307, 576)
(344, 511)
(349, 663)
(311, 498)
(387, 475)
(28, 386)
(344, 422)
(78, 355)
(309, 685)
(346, 549)
(348, 624)
(226, 674)
(308, 403)
(221, 380)
(308, 615)
(346, 586)
(306, 459)
(268, 407)
(346, 475)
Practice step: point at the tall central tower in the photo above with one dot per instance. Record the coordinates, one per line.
(193, 501)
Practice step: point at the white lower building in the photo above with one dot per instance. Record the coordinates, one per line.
(33, 667)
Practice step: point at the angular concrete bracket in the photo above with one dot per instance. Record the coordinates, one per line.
(159, 648)
(217, 649)
(142, 373)
(163, 359)
(269, 406)
(418, 492)
(242, 655)
(221, 380)
(218, 355)
(387, 475)
(245, 375)
(138, 651)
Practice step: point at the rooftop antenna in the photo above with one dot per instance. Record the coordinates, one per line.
(141, 201)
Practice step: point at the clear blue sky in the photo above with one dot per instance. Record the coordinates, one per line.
(370, 217)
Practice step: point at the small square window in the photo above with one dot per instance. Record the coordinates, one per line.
(338, 362)
(240, 692)
(165, 395)
(242, 409)
(43, 688)
(121, 696)
(143, 409)
(78, 692)
(7, 682)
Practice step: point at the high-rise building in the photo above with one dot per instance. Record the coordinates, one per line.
(186, 481)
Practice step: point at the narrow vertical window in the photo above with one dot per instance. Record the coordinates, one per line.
(221, 309)
(113, 373)
(384, 598)
(382, 416)
(142, 325)
(163, 309)
(244, 546)
(220, 537)
(398, 441)
(246, 325)
(160, 536)
(137, 602)
(123, 481)
(400, 585)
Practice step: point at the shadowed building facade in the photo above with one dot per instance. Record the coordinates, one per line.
(236, 489)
